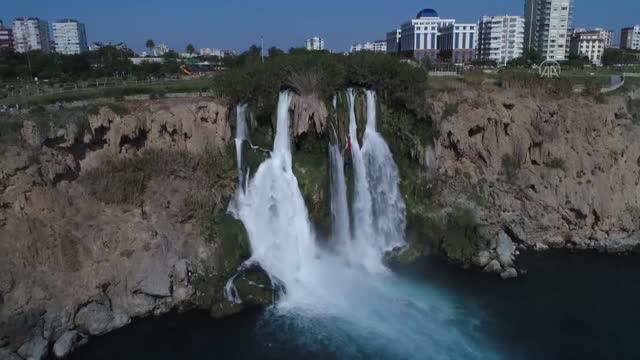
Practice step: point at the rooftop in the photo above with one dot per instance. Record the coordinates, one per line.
(427, 13)
(67, 21)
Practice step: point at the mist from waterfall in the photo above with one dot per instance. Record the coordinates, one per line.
(339, 298)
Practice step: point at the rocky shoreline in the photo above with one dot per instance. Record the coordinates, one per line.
(536, 172)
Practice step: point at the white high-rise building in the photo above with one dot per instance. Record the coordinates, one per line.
(590, 44)
(501, 38)
(375, 46)
(314, 43)
(69, 37)
(630, 38)
(547, 25)
(30, 34)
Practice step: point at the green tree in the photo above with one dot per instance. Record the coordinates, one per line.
(529, 58)
(298, 50)
(190, 49)
(150, 45)
(274, 51)
(577, 61)
(171, 54)
(619, 57)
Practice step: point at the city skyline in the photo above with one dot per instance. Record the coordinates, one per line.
(217, 25)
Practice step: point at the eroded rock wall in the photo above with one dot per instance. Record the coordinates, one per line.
(558, 172)
(71, 266)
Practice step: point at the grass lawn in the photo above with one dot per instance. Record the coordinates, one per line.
(157, 89)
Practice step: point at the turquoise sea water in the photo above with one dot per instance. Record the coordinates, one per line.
(568, 306)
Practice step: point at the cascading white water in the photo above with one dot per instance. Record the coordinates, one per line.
(242, 135)
(364, 237)
(339, 301)
(383, 177)
(274, 213)
(341, 233)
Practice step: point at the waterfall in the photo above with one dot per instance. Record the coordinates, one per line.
(340, 302)
(384, 180)
(273, 211)
(339, 205)
(368, 253)
(242, 135)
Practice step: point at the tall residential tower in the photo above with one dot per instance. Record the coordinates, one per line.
(6, 37)
(69, 37)
(30, 34)
(501, 38)
(547, 25)
(314, 43)
(630, 38)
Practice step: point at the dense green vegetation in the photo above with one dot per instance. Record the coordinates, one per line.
(248, 77)
(613, 56)
(107, 61)
(610, 57)
(157, 89)
(397, 82)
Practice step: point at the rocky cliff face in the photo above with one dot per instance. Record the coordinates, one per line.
(310, 115)
(73, 266)
(120, 214)
(550, 173)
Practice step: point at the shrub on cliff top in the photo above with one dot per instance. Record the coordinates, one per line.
(523, 80)
(397, 82)
(474, 77)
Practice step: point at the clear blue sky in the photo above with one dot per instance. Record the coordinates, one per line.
(237, 24)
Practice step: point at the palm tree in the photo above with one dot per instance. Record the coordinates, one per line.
(150, 45)
(191, 49)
